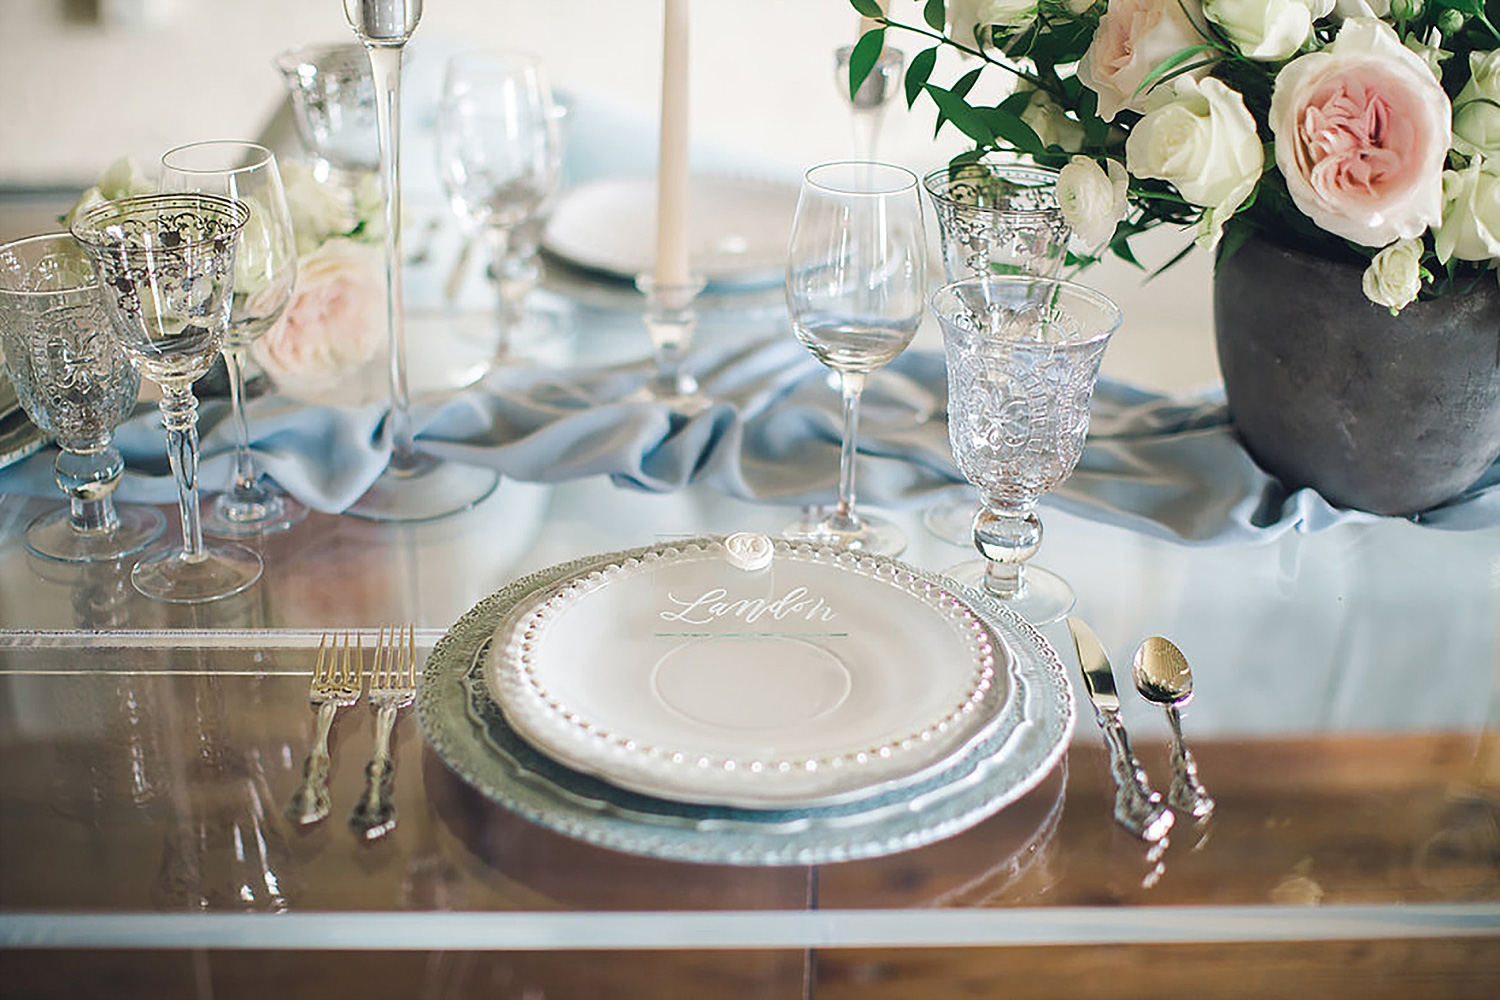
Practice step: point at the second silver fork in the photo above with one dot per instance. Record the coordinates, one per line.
(393, 686)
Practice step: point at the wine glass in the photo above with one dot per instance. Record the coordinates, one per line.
(993, 218)
(414, 486)
(855, 280)
(77, 385)
(265, 268)
(1023, 355)
(500, 156)
(333, 106)
(165, 265)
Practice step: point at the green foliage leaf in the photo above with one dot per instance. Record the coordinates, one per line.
(960, 90)
(918, 73)
(866, 53)
(1165, 68)
(935, 15)
(869, 8)
(1009, 126)
(955, 109)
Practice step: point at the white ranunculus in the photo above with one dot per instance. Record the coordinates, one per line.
(1362, 130)
(1269, 30)
(1200, 139)
(1132, 37)
(1394, 276)
(1093, 201)
(334, 322)
(1470, 229)
(1476, 109)
(1345, 9)
(319, 210)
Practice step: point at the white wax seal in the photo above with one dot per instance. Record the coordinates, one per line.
(748, 551)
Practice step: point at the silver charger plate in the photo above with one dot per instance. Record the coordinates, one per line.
(469, 733)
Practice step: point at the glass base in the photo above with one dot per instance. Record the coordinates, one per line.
(1046, 597)
(951, 518)
(224, 570)
(431, 489)
(229, 517)
(868, 534)
(52, 536)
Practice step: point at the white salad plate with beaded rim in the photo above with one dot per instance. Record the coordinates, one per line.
(748, 672)
(1007, 757)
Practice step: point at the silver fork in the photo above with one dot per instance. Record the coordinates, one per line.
(393, 686)
(336, 681)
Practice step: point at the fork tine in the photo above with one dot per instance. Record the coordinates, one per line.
(322, 652)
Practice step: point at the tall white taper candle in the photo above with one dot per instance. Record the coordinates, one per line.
(672, 266)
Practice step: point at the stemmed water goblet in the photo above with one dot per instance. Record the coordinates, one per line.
(993, 218)
(855, 281)
(333, 106)
(75, 383)
(414, 486)
(500, 156)
(265, 269)
(1023, 355)
(165, 267)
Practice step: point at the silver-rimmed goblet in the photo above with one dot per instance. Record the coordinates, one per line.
(414, 486)
(165, 265)
(333, 105)
(265, 271)
(1023, 355)
(76, 384)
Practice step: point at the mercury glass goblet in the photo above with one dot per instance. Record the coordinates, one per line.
(500, 155)
(165, 265)
(993, 218)
(333, 105)
(265, 267)
(76, 384)
(855, 279)
(414, 486)
(1023, 355)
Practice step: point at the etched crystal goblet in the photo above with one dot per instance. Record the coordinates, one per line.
(265, 271)
(165, 265)
(1023, 356)
(993, 218)
(76, 384)
(333, 105)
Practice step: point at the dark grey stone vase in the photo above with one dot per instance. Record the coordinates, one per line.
(1392, 415)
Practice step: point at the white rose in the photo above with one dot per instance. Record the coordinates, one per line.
(1394, 277)
(1476, 120)
(1200, 139)
(1051, 123)
(319, 210)
(1470, 229)
(123, 178)
(335, 321)
(1132, 37)
(1362, 131)
(1093, 202)
(966, 18)
(1269, 30)
(1345, 9)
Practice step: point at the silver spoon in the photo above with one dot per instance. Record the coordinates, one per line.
(1162, 675)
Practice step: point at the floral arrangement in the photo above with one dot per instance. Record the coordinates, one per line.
(334, 323)
(1360, 129)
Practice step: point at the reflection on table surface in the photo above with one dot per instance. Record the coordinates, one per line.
(1344, 720)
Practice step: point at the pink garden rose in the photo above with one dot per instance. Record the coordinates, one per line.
(1132, 37)
(1362, 131)
(335, 320)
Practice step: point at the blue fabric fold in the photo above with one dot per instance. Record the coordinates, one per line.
(1170, 467)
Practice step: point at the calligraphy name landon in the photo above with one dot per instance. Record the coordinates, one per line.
(715, 603)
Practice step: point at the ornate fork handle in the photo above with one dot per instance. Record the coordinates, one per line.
(311, 802)
(375, 814)
(1138, 806)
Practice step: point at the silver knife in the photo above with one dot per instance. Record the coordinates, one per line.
(1138, 807)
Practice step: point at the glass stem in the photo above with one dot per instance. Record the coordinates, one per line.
(179, 415)
(852, 385)
(245, 488)
(497, 242)
(1006, 535)
(88, 477)
(385, 65)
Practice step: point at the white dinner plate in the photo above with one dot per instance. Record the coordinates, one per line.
(681, 675)
(738, 227)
